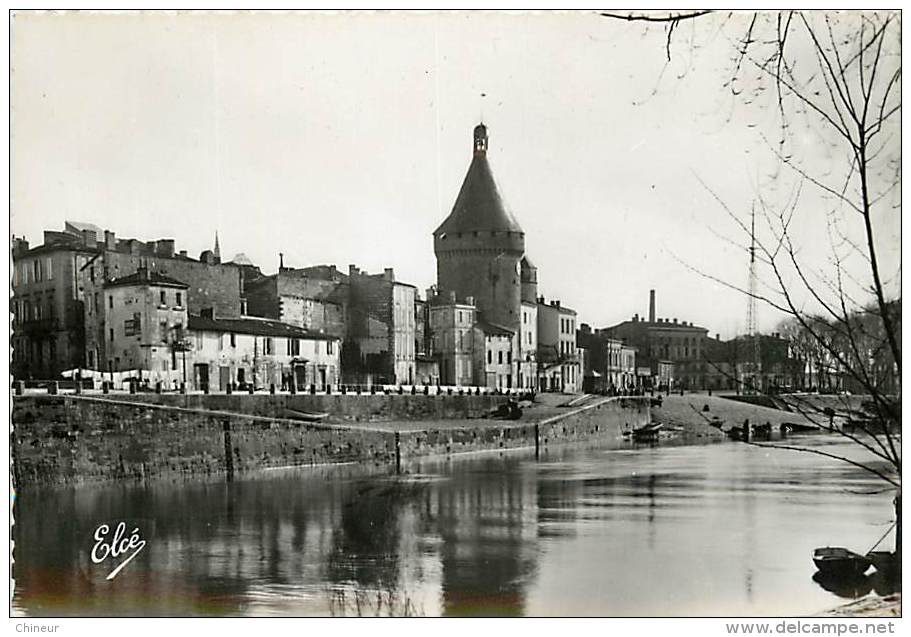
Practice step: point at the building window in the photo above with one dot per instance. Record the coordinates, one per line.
(111, 302)
(111, 334)
(489, 357)
(164, 298)
(330, 347)
(268, 345)
(179, 299)
(294, 347)
(132, 326)
(509, 357)
(233, 339)
(49, 274)
(500, 357)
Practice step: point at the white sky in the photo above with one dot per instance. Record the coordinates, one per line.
(344, 139)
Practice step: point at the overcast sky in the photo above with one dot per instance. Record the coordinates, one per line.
(344, 139)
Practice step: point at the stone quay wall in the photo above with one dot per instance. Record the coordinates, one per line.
(341, 408)
(61, 440)
(70, 440)
(604, 420)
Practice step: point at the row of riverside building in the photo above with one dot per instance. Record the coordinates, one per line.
(90, 303)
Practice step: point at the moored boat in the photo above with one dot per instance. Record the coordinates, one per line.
(883, 561)
(836, 560)
(647, 432)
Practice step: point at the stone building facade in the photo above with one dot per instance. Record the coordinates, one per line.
(210, 284)
(558, 361)
(380, 335)
(528, 347)
(145, 323)
(663, 341)
(47, 304)
(260, 352)
(315, 299)
(492, 353)
(451, 327)
(612, 364)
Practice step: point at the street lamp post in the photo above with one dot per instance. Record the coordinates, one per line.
(180, 344)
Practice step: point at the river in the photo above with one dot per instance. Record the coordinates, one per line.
(702, 530)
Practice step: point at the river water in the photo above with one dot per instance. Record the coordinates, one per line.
(709, 530)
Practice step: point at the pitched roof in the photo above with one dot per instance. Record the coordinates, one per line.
(493, 329)
(479, 205)
(143, 277)
(254, 326)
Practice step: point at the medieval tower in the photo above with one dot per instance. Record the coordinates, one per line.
(480, 245)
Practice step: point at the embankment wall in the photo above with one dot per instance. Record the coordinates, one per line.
(341, 408)
(69, 439)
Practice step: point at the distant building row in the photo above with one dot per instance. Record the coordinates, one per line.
(86, 299)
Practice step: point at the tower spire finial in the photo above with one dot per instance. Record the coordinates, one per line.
(217, 250)
(480, 140)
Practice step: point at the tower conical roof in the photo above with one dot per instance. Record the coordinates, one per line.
(479, 205)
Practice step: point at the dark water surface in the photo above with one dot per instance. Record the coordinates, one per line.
(720, 529)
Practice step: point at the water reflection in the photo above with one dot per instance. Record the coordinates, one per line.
(855, 586)
(710, 530)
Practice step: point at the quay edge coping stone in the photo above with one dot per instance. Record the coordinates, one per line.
(232, 414)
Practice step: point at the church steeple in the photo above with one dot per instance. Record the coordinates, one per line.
(217, 250)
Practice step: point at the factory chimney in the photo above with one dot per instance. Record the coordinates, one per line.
(651, 306)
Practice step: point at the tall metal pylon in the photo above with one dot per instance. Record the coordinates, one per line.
(753, 380)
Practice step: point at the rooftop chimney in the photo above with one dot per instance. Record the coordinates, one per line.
(675, 320)
(452, 296)
(110, 241)
(165, 247)
(388, 274)
(20, 245)
(651, 306)
(469, 300)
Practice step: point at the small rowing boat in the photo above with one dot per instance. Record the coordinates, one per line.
(647, 432)
(834, 560)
